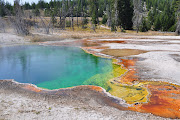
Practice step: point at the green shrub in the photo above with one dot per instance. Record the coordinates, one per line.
(143, 27)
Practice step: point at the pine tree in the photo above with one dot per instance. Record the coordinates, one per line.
(125, 10)
(41, 4)
(178, 17)
(94, 11)
(165, 10)
(33, 5)
(150, 18)
(167, 18)
(104, 19)
(27, 6)
(36, 12)
(2, 9)
(157, 24)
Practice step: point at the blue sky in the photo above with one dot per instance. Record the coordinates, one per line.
(23, 1)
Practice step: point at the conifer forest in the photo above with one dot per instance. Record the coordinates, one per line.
(139, 15)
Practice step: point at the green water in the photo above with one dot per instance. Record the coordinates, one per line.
(55, 67)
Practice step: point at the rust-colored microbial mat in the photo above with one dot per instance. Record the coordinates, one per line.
(32, 88)
(164, 100)
(158, 98)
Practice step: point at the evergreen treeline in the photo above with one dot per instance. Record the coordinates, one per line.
(162, 14)
(157, 14)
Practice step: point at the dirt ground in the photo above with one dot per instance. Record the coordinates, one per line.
(160, 63)
(77, 104)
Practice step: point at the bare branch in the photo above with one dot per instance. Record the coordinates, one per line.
(2, 25)
(19, 22)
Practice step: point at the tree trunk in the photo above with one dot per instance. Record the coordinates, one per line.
(82, 14)
(72, 18)
(77, 19)
(19, 22)
(64, 15)
(60, 18)
(138, 14)
(178, 28)
(2, 25)
(109, 21)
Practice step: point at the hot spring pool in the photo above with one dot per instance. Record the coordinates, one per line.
(55, 67)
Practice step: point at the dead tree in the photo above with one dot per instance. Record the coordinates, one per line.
(63, 15)
(116, 15)
(46, 25)
(60, 16)
(178, 28)
(93, 27)
(19, 22)
(138, 14)
(108, 11)
(82, 12)
(72, 18)
(64, 12)
(116, 12)
(178, 21)
(77, 10)
(43, 25)
(2, 25)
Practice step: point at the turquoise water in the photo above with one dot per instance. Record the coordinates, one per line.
(51, 67)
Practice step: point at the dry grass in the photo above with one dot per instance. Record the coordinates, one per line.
(88, 33)
(122, 52)
(150, 33)
(43, 38)
(79, 33)
(37, 39)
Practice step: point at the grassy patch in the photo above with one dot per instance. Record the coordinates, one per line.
(43, 38)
